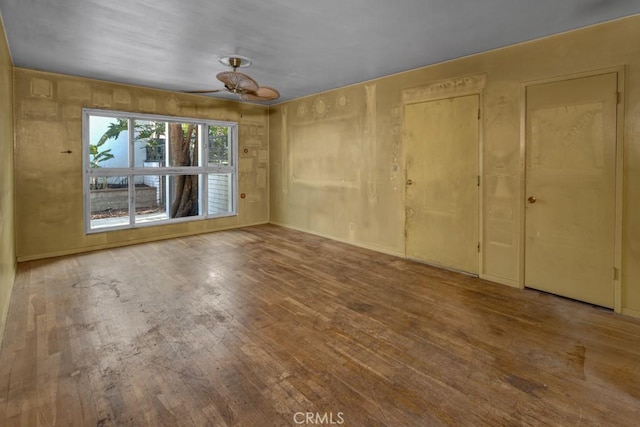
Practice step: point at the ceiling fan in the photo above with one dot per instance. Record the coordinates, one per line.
(239, 83)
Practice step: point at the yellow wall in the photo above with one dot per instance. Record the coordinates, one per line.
(7, 240)
(49, 202)
(336, 158)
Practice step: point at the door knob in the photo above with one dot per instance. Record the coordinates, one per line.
(409, 182)
(531, 199)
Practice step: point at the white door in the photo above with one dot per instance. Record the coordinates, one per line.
(442, 182)
(570, 187)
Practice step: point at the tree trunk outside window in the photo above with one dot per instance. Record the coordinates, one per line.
(184, 153)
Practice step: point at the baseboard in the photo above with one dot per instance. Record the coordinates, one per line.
(375, 248)
(488, 277)
(501, 281)
(5, 310)
(631, 312)
(132, 242)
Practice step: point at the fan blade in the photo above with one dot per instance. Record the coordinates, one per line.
(202, 91)
(237, 82)
(263, 93)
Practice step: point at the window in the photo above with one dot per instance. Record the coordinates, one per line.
(142, 169)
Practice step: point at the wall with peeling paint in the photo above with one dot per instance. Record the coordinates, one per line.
(337, 160)
(49, 199)
(7, 240)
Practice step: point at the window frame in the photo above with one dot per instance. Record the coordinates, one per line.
(131, 171)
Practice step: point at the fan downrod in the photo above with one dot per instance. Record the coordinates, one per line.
(235, 61)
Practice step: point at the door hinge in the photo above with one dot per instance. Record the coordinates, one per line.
(478, 180)
(478, 114)
(616, 274)
(618, 97)
(478, 246)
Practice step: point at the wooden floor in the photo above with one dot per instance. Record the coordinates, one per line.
(268, 326)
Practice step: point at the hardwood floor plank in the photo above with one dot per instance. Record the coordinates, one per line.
(254, 327)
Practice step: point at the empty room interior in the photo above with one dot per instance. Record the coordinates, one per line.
(319, 213)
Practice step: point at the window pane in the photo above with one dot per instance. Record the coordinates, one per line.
(108, 142)
(219, 152)
(150, 143)
(220, 187)
(151, 194)
(183, 144)
(183, 197)
(109, 201)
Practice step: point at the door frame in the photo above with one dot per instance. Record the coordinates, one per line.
(619, 157)
(438, 91)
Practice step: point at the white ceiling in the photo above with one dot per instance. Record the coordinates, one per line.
(299, 47)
